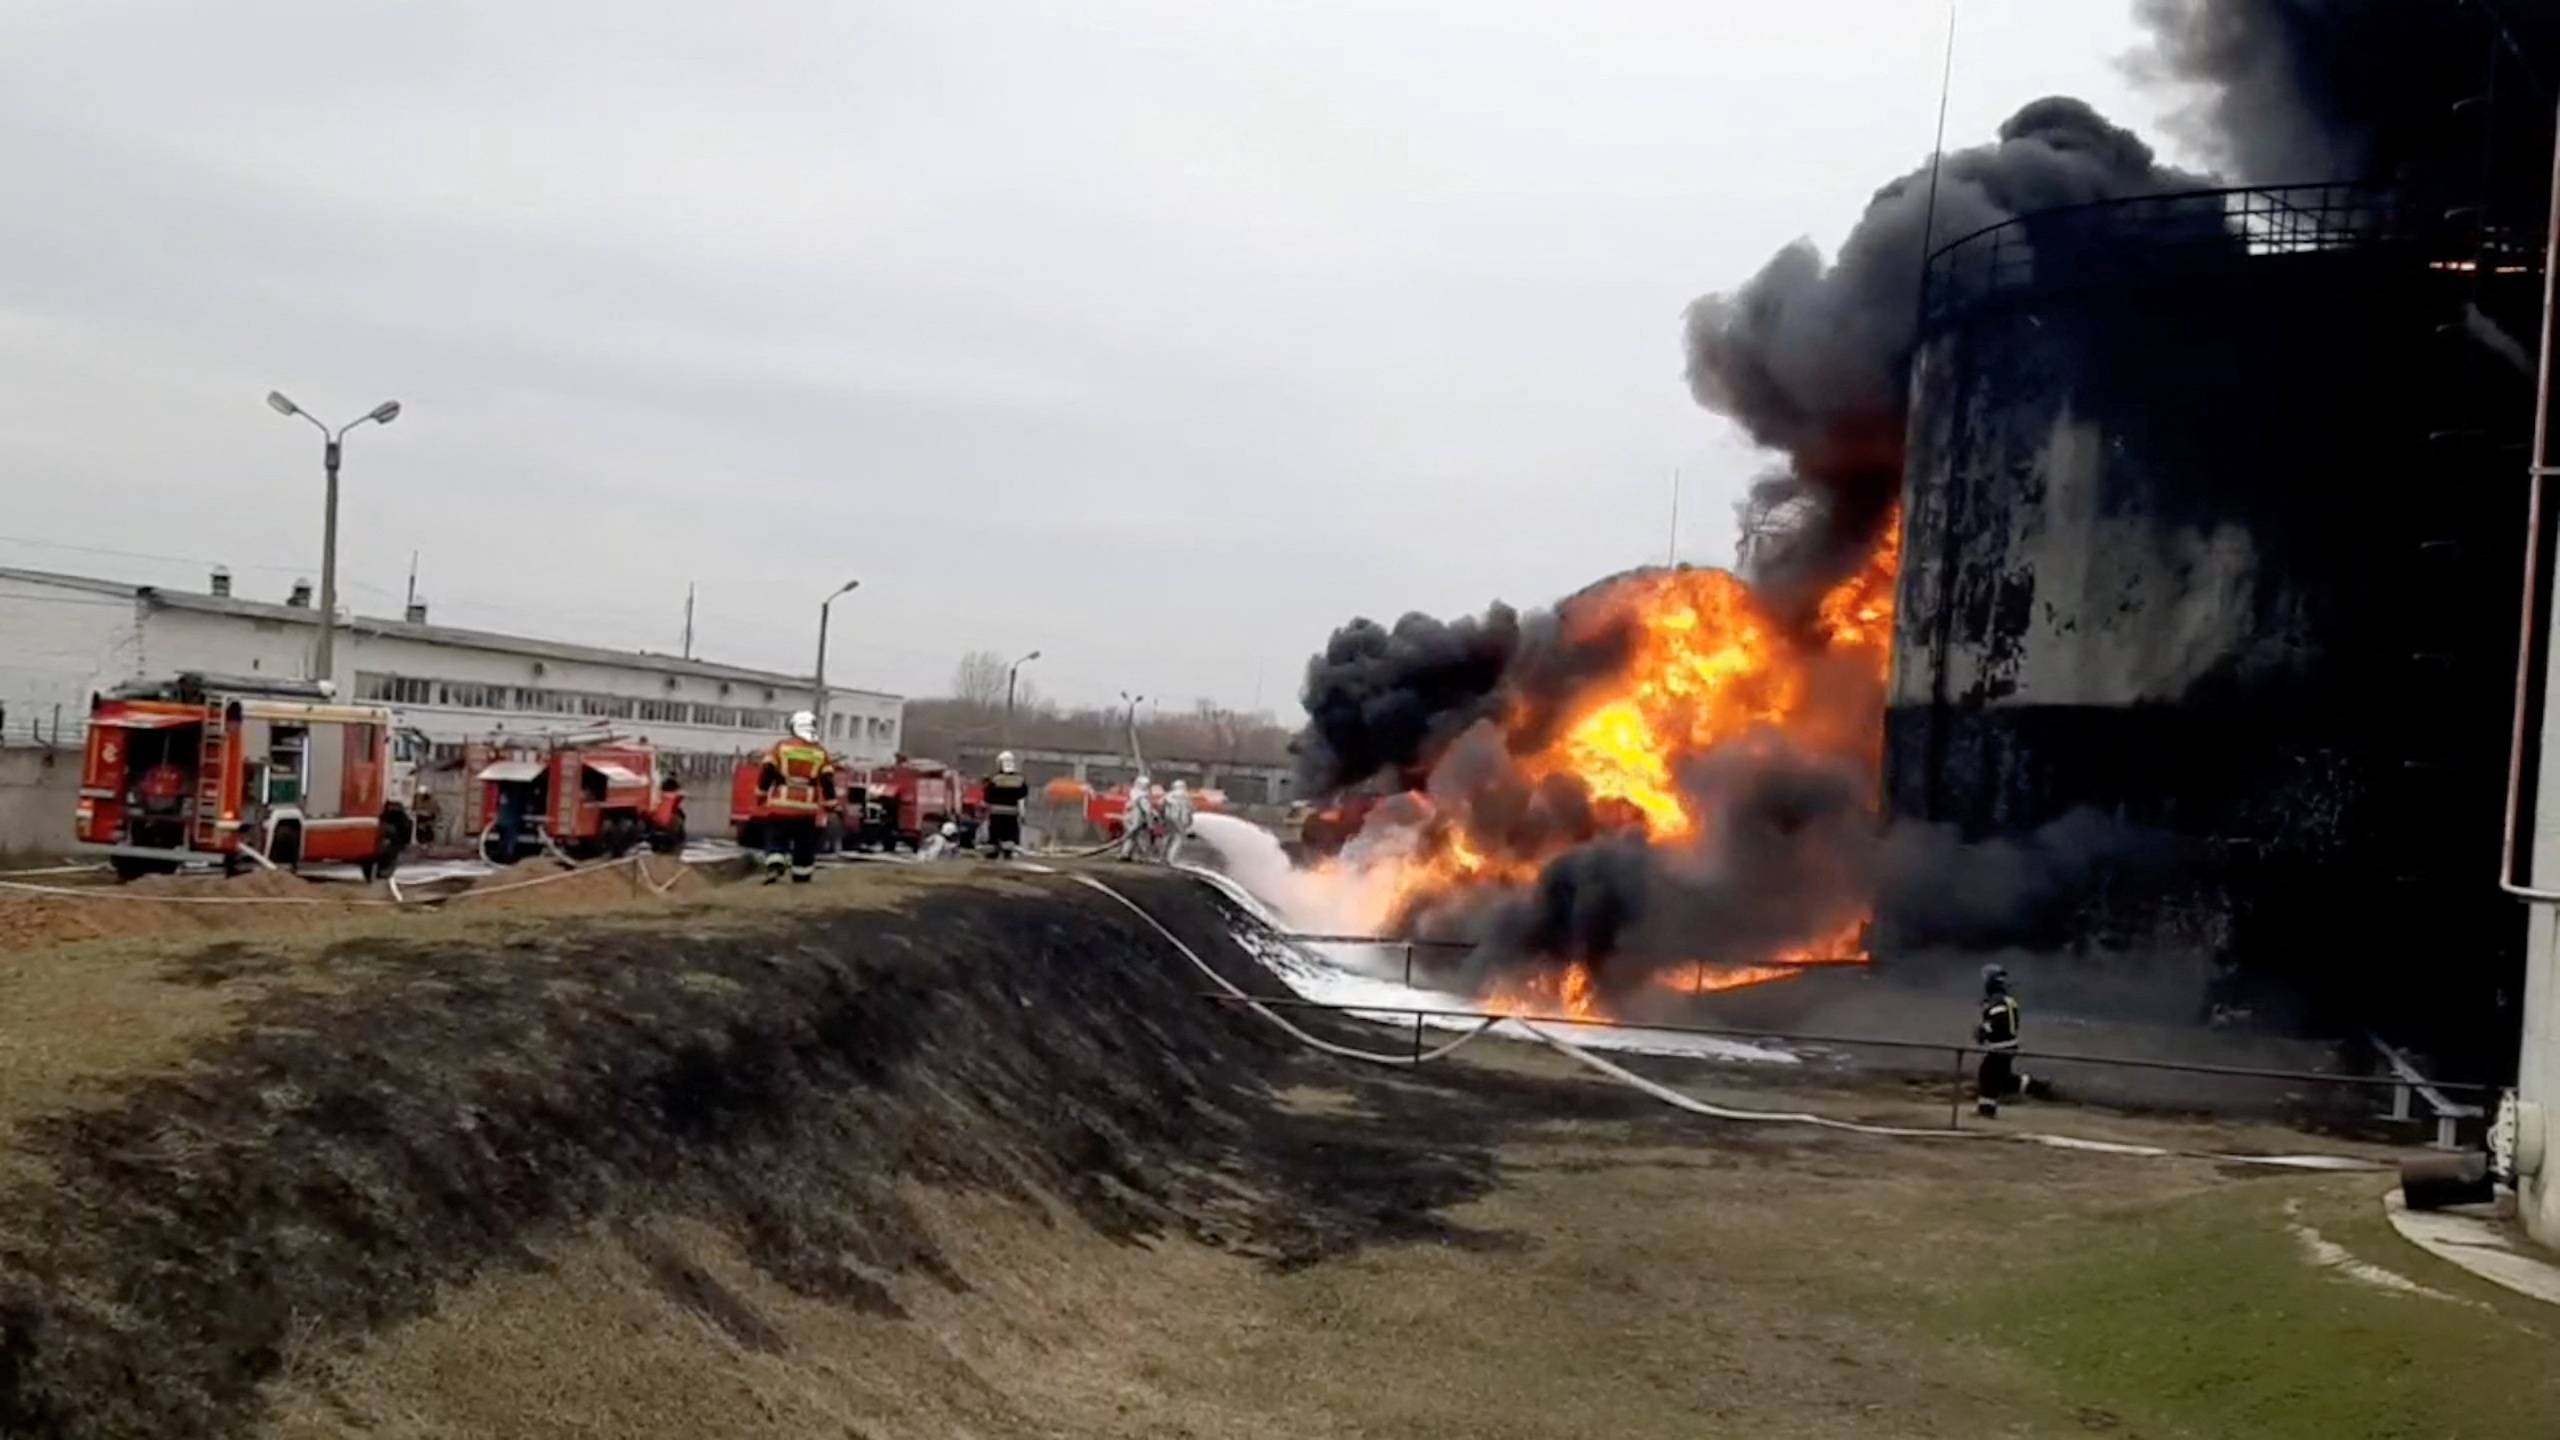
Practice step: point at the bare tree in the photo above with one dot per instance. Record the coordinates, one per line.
(978, 680)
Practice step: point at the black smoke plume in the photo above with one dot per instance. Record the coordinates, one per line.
(1389, 702)
(1812, 359)
(2446, 102)
(1385, 701)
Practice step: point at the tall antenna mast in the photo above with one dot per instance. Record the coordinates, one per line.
(411, 603)
(1937, 159)
(688, 620)
(1673, 558)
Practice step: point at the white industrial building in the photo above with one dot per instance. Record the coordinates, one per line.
(64, 638)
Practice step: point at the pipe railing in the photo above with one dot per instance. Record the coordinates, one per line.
(1960, 1053)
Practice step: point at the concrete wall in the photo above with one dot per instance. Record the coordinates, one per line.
(59, 642)
(1243, 783)
(2538, 1057)
(2538, 1063)
(39, 788)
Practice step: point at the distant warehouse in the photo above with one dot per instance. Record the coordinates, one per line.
(66, 637)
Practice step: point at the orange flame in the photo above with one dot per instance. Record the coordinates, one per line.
(1709, 664)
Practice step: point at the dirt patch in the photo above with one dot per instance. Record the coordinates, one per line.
(175, 906)
(347, 1154)
(33, 917)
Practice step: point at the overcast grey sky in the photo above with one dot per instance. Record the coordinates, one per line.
(1160, 336)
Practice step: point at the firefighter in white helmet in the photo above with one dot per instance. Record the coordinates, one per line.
(796, 785)
(1007, 793)
(1177, 817)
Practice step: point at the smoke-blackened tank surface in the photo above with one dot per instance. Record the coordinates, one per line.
(2221, 536)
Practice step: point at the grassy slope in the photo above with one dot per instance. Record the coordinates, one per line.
(1631, 1274)
(1627, 1278)
(2201, 1317)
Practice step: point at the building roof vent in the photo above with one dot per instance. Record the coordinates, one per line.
(417, 612)
(300, 599)
(221, 581)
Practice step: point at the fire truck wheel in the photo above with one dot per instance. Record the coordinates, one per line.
(286, 852)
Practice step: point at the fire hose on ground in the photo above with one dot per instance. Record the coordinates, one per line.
(638, 861)
(1664, 1093)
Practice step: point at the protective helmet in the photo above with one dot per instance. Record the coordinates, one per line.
(1139, 785)
(1179, 788)
(1995, 979)
(950, 831)
(1005, 763)
(804, 725)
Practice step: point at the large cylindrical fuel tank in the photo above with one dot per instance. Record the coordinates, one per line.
(2213, 522)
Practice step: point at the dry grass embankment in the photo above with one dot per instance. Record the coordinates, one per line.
(932, 1152)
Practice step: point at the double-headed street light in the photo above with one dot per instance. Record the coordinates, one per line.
(1137, 757)
(324, 659)
(820, 710)
(1011, 671)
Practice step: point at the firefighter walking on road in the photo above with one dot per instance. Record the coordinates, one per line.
(1997, 1034)
(1007, 793)
(798, 785)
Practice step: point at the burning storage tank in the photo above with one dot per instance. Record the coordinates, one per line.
(2213, 517)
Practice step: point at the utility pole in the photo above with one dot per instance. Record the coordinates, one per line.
(324, 657)
(688, 620)
(409, 604)
(819, 709)
(1137, 757)
(1011, 671)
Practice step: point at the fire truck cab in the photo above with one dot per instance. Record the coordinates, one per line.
(583, 796)
(246, 771)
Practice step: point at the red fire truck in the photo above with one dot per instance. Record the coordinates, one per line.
(908, 801)
(244, 770)
(581, 795)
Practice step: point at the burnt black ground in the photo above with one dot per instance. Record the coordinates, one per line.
(439, 1108)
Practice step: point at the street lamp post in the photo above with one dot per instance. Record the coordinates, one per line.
(1011, 671)
(820, 710)
(1137, 757)
(325, 656)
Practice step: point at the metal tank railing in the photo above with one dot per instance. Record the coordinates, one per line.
(2157, 236)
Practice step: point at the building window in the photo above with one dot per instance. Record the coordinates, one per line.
(598, 705)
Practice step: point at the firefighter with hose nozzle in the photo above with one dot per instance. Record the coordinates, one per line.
(1997, 1034)
(1007, 793)
(1137, 821)
(797, 785)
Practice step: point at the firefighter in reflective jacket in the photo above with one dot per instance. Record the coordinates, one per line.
(1997, 1034)
(797, 785)
(1007, 793)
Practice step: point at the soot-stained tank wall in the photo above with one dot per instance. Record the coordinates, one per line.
(2232, 556)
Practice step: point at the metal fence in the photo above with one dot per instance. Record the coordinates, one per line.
(2407, 1088)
